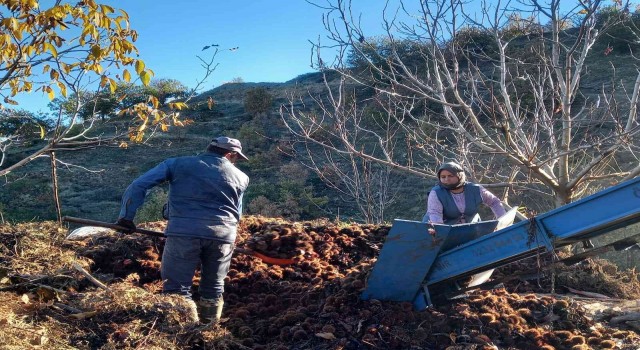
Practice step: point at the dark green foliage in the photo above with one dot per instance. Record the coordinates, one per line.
(165, 89)
(105, 104)
(379, 52)
(28, 198)
(102, 103)
(621, 30)
(24, 125)
(257, 101)
(278, 186)
(286, 194)
(517, 27)
(151, 210)
(474, 43)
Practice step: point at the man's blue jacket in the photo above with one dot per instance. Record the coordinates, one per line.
(205, 196)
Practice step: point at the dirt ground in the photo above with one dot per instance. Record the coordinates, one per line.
(47, 302)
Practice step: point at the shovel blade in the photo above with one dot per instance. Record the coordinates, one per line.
(87, 231)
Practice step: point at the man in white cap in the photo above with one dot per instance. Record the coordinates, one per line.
(205, 205)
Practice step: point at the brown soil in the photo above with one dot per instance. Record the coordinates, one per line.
(312, 304)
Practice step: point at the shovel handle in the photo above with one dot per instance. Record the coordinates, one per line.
(110, 225)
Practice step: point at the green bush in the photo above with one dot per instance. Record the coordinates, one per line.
(475, 42)
(622, 34)
(257, 101)
(151, 210)
(288, 194)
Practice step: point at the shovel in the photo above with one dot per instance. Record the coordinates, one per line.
(266, 259)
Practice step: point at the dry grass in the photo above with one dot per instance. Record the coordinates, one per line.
(46, 303)
(20, 331)
(38, 248)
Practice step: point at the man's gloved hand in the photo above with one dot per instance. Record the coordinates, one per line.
(128, 224)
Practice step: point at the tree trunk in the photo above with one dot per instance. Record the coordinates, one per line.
(563, 195)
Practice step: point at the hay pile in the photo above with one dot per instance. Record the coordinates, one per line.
(591, 275)
(312, 304)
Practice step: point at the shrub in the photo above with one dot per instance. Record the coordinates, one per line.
(257, 101)
(622, 33)
(261, 205)
(151, 210)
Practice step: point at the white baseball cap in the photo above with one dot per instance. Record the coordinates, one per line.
(230, 144)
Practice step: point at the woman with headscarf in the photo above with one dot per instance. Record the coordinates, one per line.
(455, 201)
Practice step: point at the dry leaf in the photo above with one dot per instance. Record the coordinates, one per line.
(46, 294)
(83, 315)
(39, 341)
(453, 336)
(461, 307)
(25, 299)
(482, 339)
(550, 317)
(327, 336)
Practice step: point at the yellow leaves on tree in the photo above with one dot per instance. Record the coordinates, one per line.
(67, 40)
(150, 115)
(68, 43)
(126, 75)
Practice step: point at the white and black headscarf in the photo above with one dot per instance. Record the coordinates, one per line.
(455, 169)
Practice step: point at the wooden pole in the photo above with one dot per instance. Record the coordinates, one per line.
(54, 181)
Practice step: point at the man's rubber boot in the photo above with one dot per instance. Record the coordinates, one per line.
(192, 311)
(210, 310)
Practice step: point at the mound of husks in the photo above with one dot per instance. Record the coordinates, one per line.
(49, 302)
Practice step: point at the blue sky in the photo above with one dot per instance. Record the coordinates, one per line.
(272, 37)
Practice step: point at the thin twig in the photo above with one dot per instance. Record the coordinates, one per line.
(91, 278)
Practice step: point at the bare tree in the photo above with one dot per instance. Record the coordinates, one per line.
(501, 90)
(366, 184)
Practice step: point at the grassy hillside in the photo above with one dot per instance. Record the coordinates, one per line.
(92, 185)
(280, 186)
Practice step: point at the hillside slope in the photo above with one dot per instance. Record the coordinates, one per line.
(95, 178)
(280, 186)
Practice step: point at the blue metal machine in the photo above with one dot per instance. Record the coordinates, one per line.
(412, 261)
